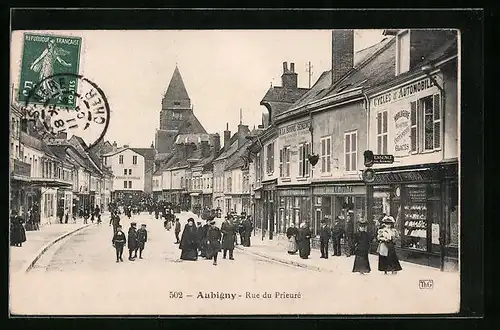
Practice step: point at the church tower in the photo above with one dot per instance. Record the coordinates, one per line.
(176, 115)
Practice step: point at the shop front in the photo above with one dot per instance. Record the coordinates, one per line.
(345, 200)
(424, 202)
(207, 200)
(258, 213)
(269, 210)
(294, 207)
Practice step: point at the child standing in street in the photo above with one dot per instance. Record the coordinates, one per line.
(142, 238)
(119, 241)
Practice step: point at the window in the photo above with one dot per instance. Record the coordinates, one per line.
(326, 154)
(182, 182)
(403, 52)
(270, 158)
(382, 133)
(124, 171)
(177, 103)
(425, 122)
(134, 160)
(125, 184)
(129, 171)
(350, 151)
(228, 185)
(177, 115)
(130, 184)
(120, 159)
(285, 162)
(304, 150)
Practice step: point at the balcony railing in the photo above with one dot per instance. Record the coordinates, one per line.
(20, 168)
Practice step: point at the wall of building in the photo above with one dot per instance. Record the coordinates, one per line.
(334, 123)
(451, 121)
(178, 179)
(137, 177)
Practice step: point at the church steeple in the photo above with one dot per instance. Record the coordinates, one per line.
(176, 95)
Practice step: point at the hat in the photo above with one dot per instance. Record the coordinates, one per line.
(143, 224)
(323, 221)
(388, 219)
(362, 222)
(133, 223)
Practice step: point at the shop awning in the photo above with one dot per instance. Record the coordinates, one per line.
(46, 182)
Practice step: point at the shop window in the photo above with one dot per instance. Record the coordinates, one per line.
(426, 124)
(350, 151)
(229, 183)
(452, 215)
(382, 133)
(304, 150)
(415, 217)
(120, 159)
(326, 152)
(270, 158)
(134, 160)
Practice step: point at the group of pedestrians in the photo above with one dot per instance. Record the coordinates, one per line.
(358, 243)
(135, 240)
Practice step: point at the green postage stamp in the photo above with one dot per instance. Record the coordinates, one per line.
(45, 58)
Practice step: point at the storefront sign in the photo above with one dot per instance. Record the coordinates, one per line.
(127, 177)
(267, 187)
(294, 128)
(402, 133)
(405, 176)
(294, 192)
(257, 194)
(339, 190)
(21, 168)
(404, 91)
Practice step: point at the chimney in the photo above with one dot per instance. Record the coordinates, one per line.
(227, 136)
(205, 149)
(242, 134)
(125, 146)
(342, 53)
(289, 77)
(115, 146)
(216, 139)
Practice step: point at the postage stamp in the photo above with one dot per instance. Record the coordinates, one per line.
(46, 55)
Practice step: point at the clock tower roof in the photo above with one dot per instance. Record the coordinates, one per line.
(176, 89)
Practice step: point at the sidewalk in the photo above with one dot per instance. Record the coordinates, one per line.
(37, 240)
(276, 250)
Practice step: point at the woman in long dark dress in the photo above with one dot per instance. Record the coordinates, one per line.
(189, 240)
(292, 233)
(361, 242)
(304, 240)
(387, 235)
(213, 244)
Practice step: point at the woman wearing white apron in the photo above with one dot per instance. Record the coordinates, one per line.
(291, 234)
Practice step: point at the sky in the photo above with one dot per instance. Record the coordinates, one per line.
(223, 71)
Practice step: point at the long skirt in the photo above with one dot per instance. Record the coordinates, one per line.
(189, 254)
(389, 263)
(292, 245)
(304, 249)
(361, 264)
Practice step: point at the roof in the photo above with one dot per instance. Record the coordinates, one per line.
(233, 145)
(191, 125)
(236, 159)
(176, 89)
(283, 94)
(192, 138)
(375, 65)
(148, 153)
(449, 48)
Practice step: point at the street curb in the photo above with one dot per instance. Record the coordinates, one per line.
(288, 262)
(44, 249)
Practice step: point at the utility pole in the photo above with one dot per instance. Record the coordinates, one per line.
(241, 117)
(309, 71)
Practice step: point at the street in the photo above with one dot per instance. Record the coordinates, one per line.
(79, 275)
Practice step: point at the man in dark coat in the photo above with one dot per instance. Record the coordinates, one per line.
(324, 237)
(203, 235)
(177, 230)
(114, 221)
(142, 238)
(97, 212)
(213, 238)
(337, 234)
(119, 241)
(350, 235)
(157, 211)
(241, 229)
(247, 232)
(228, 237)
(132, 241)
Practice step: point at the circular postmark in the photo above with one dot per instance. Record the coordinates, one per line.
(71, 104)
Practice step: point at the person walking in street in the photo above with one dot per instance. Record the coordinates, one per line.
(241, 229)
(304, 241)
(362, 240)
(387, 236)
(199, 236)
(119, 241)
(92, 214)
(292, 233)
(228, 237)
(97, 212)
(213, 239)
(17, 232)
(204, 238)
(177, 230)
(189, 241)
(60, 214)
(142, 238)
(247, 231)
(114, 220)
(350, 235)
(66, 215)
(157, 211)
(132, 241)
(337, 235)
(86, 216)
(324, 238)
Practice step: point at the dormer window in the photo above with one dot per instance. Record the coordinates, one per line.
(402, 52)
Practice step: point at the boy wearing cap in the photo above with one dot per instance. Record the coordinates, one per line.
(177, 230)
(142, 238)
(119, 241)
(132, 241)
